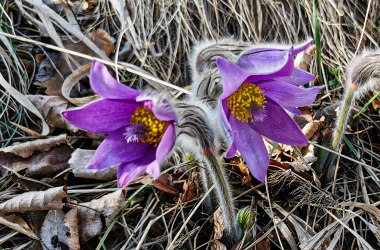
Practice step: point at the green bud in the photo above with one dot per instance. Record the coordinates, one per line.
(245, 218)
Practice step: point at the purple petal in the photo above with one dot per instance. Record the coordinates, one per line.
(267, 63)
(114, 150)
(278, 126)
(126, 174)
(232, 151)
(298, 77)
(102, 116)
(252, 148)
(158, 104)
(103, 83)
(153, 169)
(233, 76)
(128, 171)
(166, 144)
(301, 47)
(288, 95)
(293, 110)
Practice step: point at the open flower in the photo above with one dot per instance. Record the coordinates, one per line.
(257, 88)
(140, 129)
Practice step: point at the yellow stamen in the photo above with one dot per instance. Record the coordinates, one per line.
(155, 128)
(248, 95)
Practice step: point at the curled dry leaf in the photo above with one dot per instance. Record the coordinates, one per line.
(51, 199)
(90, 214)
(191, 187)
(218, 230)
(45, 157)
(60, 229)
(78, 161)
(312, 127)
(17, 224)
(51, 108)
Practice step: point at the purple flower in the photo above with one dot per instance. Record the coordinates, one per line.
(257, 88)
(140, 129)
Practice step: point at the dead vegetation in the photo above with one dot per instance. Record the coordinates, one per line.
(49, 201)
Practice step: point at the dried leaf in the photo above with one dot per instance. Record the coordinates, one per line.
(53, 86)
(376, 104)
(217, 245)
(218, 225)
(51, 108)
(51, 199)
(312, 127)
(28, 148)
(17, 224)
(164, 183)
(44, 157)
(57, 232)
(78, 161)
(191, 187)
(103, 40)
(90, 214)
(47, 67)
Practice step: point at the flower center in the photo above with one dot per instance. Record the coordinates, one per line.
(247, 97)
(154, 129)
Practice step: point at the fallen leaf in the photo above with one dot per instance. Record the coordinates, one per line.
(312, 127)
(218, 224)
(90, 214)
(17, 224)
(51, 107)
(191, 187)
(51, 199)
(376, 104)
(57, 232)
(53, 86)
(48, 66)
(45, 157)
(303, 59)
(164, 183)
(78, 161)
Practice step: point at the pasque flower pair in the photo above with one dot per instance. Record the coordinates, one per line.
(258, 86)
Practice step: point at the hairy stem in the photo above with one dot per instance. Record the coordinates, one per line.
(223, 193)
(207, 183)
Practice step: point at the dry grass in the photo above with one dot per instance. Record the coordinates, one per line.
(155, 38)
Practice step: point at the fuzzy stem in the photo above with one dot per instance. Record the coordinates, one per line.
(207, 183)
(223, 193)
(343, 116)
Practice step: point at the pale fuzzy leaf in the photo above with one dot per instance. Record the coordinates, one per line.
(51, 199)
(17, 224)
(78, 161)
(24, 102)
(51, 108)
(57, 231)
(90, 214)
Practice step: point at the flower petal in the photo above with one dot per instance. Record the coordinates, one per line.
(127, 173)
(293, 110)
(104, 84)
(158, 104)
(298, 77)
(301, 47)
(153, 169)
(232, 151)
(278, 126)
(233, 76)
(166, 144)
(288, 95)
(114, 150)
(252, 148)
(267, 63)
(102, 116)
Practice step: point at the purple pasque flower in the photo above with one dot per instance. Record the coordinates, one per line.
(257, 88)
(140, 128)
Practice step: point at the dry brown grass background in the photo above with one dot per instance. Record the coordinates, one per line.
(153, 40)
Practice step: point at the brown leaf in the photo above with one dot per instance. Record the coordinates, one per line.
(17, 224)
(51, 199)
(57, 231)
(28, 148)
(43, 157)
(164, 183)
(51, 107)
(312, 127)
(90, 214)
(53, 86)
(218, 224)
(103, 40)
(191, 187)
(376, 104)
(78, 161)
